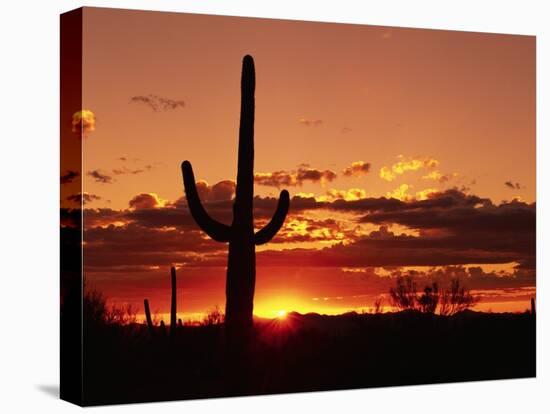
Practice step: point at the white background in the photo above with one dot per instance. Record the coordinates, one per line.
(29, 174)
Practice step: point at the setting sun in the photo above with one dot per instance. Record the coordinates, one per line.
(281, 314)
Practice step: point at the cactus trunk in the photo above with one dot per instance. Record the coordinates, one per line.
(173, 309)
(241, 264)
(148, 316)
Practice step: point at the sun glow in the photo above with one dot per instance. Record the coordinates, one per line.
(281, 314)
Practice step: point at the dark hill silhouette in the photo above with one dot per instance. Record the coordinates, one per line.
(309, 352)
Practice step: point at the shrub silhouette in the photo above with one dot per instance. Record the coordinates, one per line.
(241, 264)
(403, 296)
(96, 312)
(427, 302)
(457, 299)
(214, 317)
(451, 301)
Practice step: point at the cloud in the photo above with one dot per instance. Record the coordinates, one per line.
(85, 197)
(83, 122)
(447, 228)
(146, 200)
(437, 176)
(125, 170)
(513, 186)
(68, 176)
(357, 168)
(158, 103)
(439, 243)
(294, 178)
(133, 247)
(402, 193)
(100, 177)
(406, 164)
(221, 191)
(345, 130)
(310, 122)
(453, 212)
(347, 195)
(301, 229)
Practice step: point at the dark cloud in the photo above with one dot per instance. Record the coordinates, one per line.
(294, 178)
(458, 215)
(345, 130)
(68, 176)
(310, 122)
(221, 191)
(85, 197)
(450, 228)
(158, 103)
(357, 168)
(513, 186)
(100, 177)
(382, 248)
(125, 170)
(514, 283)
(70, 217)
(115, 247)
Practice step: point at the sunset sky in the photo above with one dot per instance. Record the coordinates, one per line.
(404, 150)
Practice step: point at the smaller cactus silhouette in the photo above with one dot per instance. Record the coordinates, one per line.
(533, 311)
(148, 316)
(173, 310)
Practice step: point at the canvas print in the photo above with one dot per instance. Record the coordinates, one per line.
(259, 206)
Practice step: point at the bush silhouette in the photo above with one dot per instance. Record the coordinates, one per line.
(404, 296)
(457, 299)
(427, 302)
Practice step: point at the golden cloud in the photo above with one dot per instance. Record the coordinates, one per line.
(83, 122)
(402, 193)
(437, 176)
(351, 194)
(146, 200)
(407, 164)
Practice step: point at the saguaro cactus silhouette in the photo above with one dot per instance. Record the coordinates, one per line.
(173, 305)
(241, 264)
(148, 316)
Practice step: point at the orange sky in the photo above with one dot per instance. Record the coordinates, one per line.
(425, 116)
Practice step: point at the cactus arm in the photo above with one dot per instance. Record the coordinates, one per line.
(216, 230)
(270, 230)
